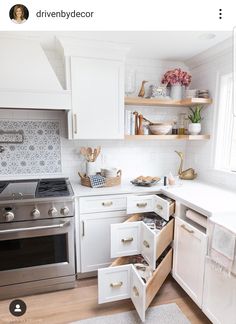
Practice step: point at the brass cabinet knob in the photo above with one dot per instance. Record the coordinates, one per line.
(141, 205)
(116, 284)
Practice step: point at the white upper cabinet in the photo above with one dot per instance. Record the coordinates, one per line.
(95, 74)
(97, 98)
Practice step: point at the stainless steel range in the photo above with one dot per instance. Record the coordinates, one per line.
(36, 236)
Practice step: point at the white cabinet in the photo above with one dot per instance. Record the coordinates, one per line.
(190, 247)
(219, 297)
(95, 239)
(97, 98)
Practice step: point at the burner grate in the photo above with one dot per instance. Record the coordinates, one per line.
(52, 188)
(3, 185)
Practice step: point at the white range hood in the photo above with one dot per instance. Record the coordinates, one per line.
(27, 79)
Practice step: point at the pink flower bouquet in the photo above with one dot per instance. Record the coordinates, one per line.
(176, 76)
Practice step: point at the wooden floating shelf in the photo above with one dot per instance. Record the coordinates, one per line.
(168, 137)
(136, 101)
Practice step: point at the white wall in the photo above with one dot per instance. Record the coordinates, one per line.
(200, 155)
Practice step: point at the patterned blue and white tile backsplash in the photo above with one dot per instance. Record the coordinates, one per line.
(40, 152)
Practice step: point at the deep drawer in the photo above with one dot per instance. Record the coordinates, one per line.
(135, 237)
(121, 280)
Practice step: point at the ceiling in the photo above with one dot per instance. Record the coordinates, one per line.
(168, 45)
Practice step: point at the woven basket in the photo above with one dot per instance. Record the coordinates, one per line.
(110, 182)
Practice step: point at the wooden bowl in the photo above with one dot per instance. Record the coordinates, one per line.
(160, 128)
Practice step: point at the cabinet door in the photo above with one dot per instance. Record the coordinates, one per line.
(219, 297)
(97, 98)
(95, 238)
(190, 246)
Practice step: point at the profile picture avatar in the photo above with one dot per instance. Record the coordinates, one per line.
(19, 14)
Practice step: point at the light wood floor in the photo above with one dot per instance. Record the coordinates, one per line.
(79, 303)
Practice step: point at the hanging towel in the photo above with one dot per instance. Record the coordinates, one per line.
(222, 247)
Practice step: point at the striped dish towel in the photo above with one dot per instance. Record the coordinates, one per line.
(97, 181)
(222, 247)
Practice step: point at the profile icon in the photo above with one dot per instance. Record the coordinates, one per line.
(19, 14)
(17, 307)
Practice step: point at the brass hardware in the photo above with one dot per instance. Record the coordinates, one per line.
(186, 229)
(83, 232)
(159, 207)
(146, 244)
(135, 290)
(188, 174)
(141, 205)
(127, 240)
(116, 284)
(107, 204)
(75, 123)
(142, 268)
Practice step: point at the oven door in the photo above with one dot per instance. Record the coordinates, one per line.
(36, 250)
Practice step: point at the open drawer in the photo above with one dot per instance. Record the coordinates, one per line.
(121, 281)
(135, 237)
(160, 204)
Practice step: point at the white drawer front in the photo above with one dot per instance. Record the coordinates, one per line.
(161, 207)
(114, 283)
(125, 239)
(148, 245)
(102, 203)
(139, 204)
(138, 293)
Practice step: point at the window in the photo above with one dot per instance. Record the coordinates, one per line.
(225, 151)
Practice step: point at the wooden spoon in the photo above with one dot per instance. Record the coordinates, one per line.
(95, 155)
(90, 154)
(83, 151)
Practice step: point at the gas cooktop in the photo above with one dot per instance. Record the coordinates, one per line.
(35, 188)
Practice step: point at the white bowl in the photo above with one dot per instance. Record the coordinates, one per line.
(160, 128)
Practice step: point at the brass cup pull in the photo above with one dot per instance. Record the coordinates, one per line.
(159, 207)
(141, 205)
(127, 240)
(107, 204)
(146, 244)
(186, 229)
(116, 284)
(135, 290)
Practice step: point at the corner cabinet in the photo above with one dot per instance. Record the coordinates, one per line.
(190, 247)
(97, 98)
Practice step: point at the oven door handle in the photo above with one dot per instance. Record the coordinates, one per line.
(36, 228)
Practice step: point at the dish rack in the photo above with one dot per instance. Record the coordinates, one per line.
(110, 182)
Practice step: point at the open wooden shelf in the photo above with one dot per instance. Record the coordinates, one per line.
(136, 101)
(168, 137)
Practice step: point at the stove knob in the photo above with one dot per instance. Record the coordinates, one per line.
(52, 212)
(9, 216)
(65, 211)
(35, 213)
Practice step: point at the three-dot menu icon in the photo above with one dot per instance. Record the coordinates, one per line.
(220, 13)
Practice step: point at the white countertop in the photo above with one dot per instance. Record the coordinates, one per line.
(204, 198)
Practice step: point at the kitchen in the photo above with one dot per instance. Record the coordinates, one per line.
(65, 94)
